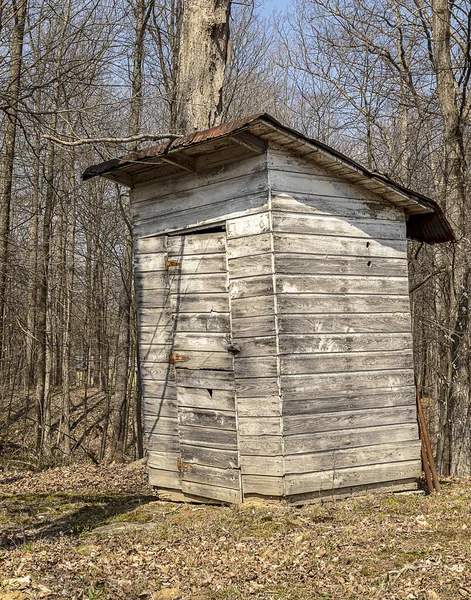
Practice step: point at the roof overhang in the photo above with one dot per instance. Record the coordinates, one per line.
(251, 135)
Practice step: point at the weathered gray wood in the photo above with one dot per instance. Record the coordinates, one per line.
(209, 418)
(336, 479)
(248, 226)
(356, 399)
(268, 406)
(147, 298)
(309, 264)
(208, 438)
(256, 445)
(311, 203)
(159, 389)
(155, 335)
(338, 303)
(269, 465)
(257, 244)
(295, 364)
(150, 245)
(153, 280)
(212, 283)
(340, 246)
(201, 264)
(253, 326)
(248, 266)
(251, 287)
(304, 387)
(347, 284)
(210, 475)
(209, 342)
(154, 408)
(264, 485)
(260, 306)
(145, 263)
(256, 366)
(344, 342)
(353, 457)
(164, 479)
(353, 419)
(205, 379)
(263, 346)
(155, 317)
(345, 323)
(167, 461)
(157, 371)
(162, 443)
(216, 492)
(161, 425)
(215, 457)
(202, 322)
(155, 353)
(261, 427)
(202, 398)
(197, 244)
(343, 227)
(259, 386)
(195, 359)
(362, 436)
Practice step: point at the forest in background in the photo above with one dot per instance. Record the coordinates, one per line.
(385, 82)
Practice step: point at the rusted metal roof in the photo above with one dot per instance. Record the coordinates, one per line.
(426, 222)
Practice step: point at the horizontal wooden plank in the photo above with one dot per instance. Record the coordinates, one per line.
(214, 419)
(261, 445)
(353, 400)
(208, 341)
(248, 226)
(222, 208)
(255, 307)
(203, 398)
(262, 346)
(157, 371)
(197, 284)
(268, 406)
(256, 387)
(195, 359)
(342, 478)
(362, 436)
(305, 387)
(155, 353)
(299, 263)
(164, 479)
(212, 492)
(155, 408)
(190, 245)
(341, 342)
(199, 264)
(268, 465)
(253, 326)
(352, 419)
(162, 443)
(150, 245)
(312, 203)
(155, 317)
(154, 334)
(159, 389)
(248, 266)
(338, 226)
(152, 280)
(161, 425)
(295, 364)
(258, 366)
(257, 244)
(353, 457)
(348, 284)
(196, 303)
(206, 379)
(155, 261)
(147, 298)
(213, 457)
(202, 322)
(251, 287)
(227, 478)
(262, 426)
(338, 303)
(340, 246)
(167, 461)
(264, 485)
(208, 438)
(344, 323)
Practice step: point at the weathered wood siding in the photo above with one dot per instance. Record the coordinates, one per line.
(256, 362)
(345, 345)
(210, 197)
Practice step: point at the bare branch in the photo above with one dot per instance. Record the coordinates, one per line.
(144, 137)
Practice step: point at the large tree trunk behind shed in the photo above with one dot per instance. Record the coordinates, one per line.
(202, 63)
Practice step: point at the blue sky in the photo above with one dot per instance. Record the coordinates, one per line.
(270, 5)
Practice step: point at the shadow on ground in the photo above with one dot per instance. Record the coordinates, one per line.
(26, 518)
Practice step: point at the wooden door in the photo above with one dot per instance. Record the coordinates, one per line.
(203, 364)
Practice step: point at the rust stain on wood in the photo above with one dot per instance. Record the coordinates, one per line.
(177, 357)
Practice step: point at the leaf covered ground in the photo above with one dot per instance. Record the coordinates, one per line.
(87, 532)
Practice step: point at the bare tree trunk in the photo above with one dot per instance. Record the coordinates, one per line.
(202, 63)
(8, 153)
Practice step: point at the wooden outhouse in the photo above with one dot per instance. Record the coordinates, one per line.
(274, 318)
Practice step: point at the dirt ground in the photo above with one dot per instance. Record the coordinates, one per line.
(87, 532)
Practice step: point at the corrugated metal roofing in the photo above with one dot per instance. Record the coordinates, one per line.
(430, 225)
